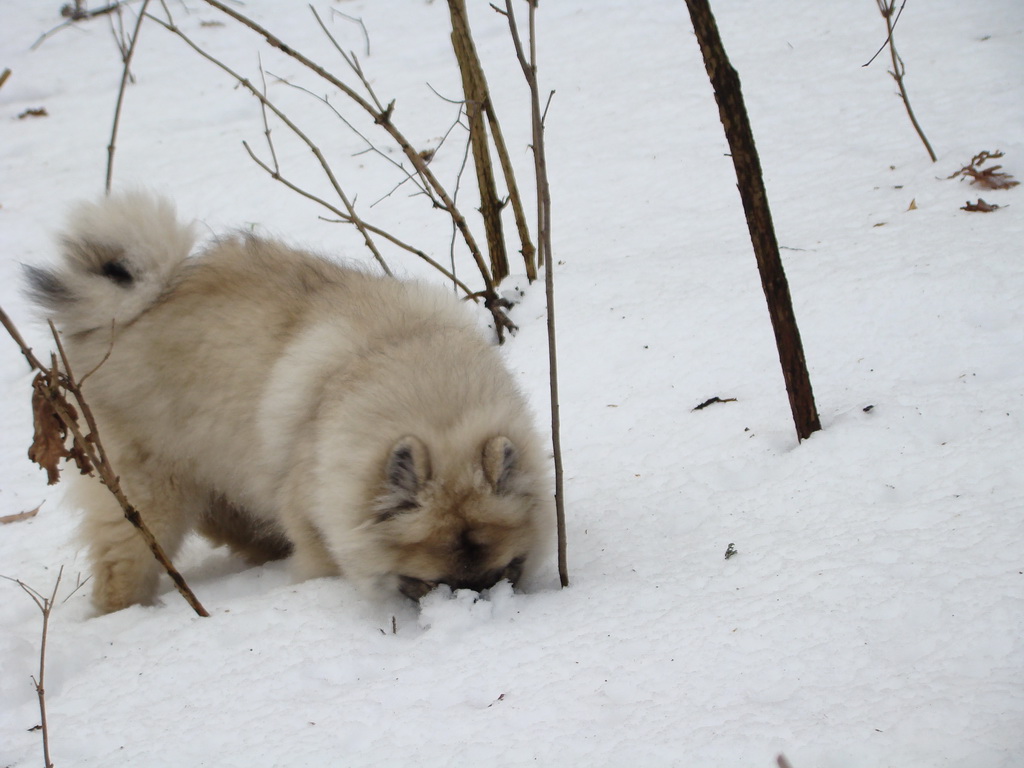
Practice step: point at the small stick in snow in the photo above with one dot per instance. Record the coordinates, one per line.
(544, 256)
(45, 605)
(711, 401)
(888, 10)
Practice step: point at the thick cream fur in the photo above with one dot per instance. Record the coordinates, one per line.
(268, 381)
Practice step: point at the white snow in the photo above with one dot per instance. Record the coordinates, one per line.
(874, 613)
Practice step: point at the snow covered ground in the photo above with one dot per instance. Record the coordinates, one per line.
(874, 613)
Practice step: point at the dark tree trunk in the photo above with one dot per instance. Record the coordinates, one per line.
(726, 84)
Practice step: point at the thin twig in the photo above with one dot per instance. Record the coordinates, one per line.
(886, 7)
(370, 146)
(45, 605)
(347, 219)
(266, 122)
(350, 59)
(120, 93)
(356, 20)
(889, 37)
(244, 82)
(33, 361)
(75, 13)
(545, 256)
(455, 196)
(432, 154)
(383, 118)
(93, 447)
(53, 381)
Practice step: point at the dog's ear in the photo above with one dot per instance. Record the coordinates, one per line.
(501, 464)
(405, 473)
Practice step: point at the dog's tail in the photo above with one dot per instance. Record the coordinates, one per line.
(118, 257)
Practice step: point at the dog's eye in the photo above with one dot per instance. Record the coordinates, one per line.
(414, 588)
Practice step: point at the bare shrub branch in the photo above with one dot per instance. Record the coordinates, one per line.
(120, 93)
(58, 420)
(475, 89)
(45, 605)
(74, 12)
(888, 10)
(343, 217)
(529, 67)
(381, 115)
(352, 216)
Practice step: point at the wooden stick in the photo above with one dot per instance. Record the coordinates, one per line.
(53, 381)
(529, 67)
(475, 89)
(887, 7)
(733, 113)
(120, 94)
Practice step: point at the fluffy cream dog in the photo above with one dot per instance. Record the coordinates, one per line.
(280, 403)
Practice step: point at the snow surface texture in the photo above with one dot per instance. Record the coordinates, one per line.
(874, 613)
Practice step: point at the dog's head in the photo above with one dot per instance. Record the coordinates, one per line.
(465, 526)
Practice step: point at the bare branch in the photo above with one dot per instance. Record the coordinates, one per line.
(429, 156)
(370, 146)
(356, 20)
(347, 219)
(356, 220)
(33, 361)
(75, 13)
(45, 606)
(120, 93)
(455, 194)
(88, 452)
(545, 257)
(888, 37)
(350, 58)
(887, 8)
(383, 118)
(475, 88)
(266, 122)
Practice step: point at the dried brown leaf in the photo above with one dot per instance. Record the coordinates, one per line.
(36, 112)
(989, 178)
(979, 207)
(48, 447)
(992, 178)
(18, 517)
